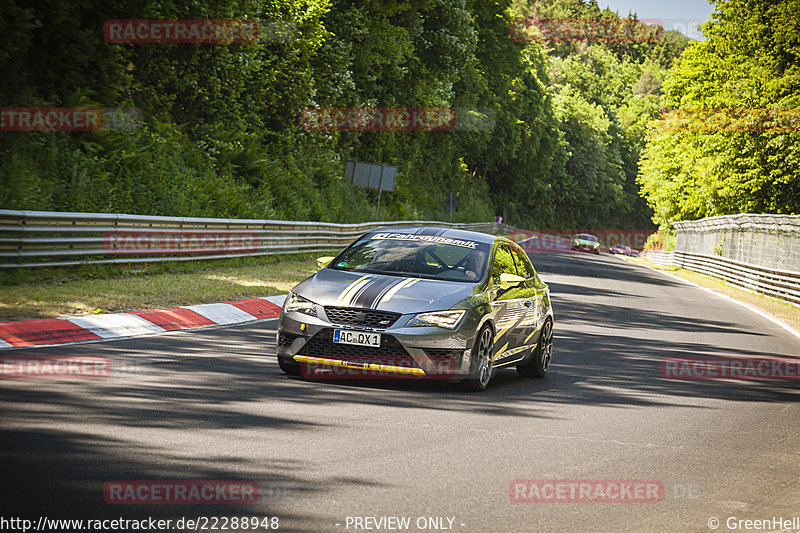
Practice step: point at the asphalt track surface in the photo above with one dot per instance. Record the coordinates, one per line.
(213, 405)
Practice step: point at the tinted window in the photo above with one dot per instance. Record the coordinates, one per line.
(524, 267)
(503, 263)
(423, 256)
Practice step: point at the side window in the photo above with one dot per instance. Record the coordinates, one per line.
(503, 262)
(524, 267)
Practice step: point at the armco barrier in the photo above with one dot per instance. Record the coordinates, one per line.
(41, 238)
(756, 252)
(660, 258)
(781, 284)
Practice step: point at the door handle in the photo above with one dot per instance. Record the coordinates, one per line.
(528, 303)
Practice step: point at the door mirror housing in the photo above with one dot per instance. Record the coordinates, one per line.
(322, 262)
(510, 280)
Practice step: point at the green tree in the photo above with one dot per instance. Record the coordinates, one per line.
(749, 61)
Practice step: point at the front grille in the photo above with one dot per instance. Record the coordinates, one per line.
(286, 339)
(361, 317)
(390, 352)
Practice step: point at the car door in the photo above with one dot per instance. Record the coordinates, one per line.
(528, 292)
(536, 294)
(508, 304)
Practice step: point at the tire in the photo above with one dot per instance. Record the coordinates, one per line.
(482, 361)
(538, 364)
(289, 367)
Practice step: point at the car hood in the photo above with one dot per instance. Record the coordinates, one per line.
(330, 287)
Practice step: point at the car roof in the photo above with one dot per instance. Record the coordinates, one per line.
(439, 232)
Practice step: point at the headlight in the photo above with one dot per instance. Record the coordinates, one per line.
(441, 319)
(299, 304)
(576, 242)
(596, 245)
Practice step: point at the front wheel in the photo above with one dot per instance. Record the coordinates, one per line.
(538, 364)
(482, 357)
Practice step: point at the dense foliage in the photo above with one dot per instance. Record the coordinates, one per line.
(222, 134)
(750, 61)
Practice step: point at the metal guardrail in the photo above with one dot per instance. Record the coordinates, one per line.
(660, 258)
(781, 284)
(42, 238)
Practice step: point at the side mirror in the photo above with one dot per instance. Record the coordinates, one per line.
(322, 262)
(510, 280)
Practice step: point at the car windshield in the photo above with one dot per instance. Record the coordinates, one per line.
(422, 256)
(591, 238)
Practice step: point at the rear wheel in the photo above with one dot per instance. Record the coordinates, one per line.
(482, 360)
(538, 364)
(289, 367)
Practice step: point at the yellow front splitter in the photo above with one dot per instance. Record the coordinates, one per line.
(360, 366)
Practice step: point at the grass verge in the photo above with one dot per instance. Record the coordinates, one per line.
(783, 311)
(51, 293)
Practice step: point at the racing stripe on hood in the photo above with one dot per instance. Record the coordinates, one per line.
(372, 292)
(395, 288)
(356, 294)
(348, 293)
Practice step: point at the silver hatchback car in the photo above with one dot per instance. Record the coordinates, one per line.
(419, 302)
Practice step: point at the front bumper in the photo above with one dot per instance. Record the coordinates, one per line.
(585, 247)
(429, 352)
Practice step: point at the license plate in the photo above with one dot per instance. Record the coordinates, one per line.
(357, 338)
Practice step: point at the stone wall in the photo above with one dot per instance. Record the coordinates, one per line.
(769, 241)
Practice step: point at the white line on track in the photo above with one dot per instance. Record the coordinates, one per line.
(755, 310)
